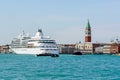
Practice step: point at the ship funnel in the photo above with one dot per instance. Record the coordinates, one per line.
(39, 33)
(39, 30)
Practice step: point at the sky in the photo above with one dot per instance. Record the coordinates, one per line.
(62, 20)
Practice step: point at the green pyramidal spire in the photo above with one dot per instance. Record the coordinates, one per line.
(88, 32)
(88, 24)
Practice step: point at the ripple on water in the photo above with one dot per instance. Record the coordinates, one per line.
(65, 67)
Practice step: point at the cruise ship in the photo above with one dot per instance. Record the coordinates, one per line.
(39, 45)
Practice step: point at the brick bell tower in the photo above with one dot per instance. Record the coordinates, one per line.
(88, 32)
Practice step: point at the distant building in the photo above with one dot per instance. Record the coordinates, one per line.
(4, 49)
(115, 48)
(111, 48)
(66, 48)
(103, 48)
(107, 49)
(99, 50)
(86, 48)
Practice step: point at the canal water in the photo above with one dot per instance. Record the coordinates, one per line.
(65, 67)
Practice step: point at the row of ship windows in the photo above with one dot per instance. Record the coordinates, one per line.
(50, 49)
(31, 47)
(35, 46)
(46, 42)
(42, 41)
(26, 42)
(47, 46)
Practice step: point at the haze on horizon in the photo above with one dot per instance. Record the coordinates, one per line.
(62, 20)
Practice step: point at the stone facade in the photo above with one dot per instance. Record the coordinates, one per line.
(99, 50)
(4, 49)
(86, 48)
(107, 49)
(66, 48)
(115, 48)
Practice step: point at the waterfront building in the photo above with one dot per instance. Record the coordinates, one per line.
(115, 48)
(86, 48)
(99, 50)
(107, 49)
(66, 48)
(111, 48)
(4, 49)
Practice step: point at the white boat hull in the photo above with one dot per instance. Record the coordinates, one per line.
(34, 51)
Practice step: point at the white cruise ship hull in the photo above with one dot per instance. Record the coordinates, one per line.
(34, 51)
(38, 45)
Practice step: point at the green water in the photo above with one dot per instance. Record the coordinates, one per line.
(65, 67)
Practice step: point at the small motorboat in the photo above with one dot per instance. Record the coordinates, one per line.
(77, 53)
(46, 54)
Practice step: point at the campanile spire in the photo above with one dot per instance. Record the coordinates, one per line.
(88, 32)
